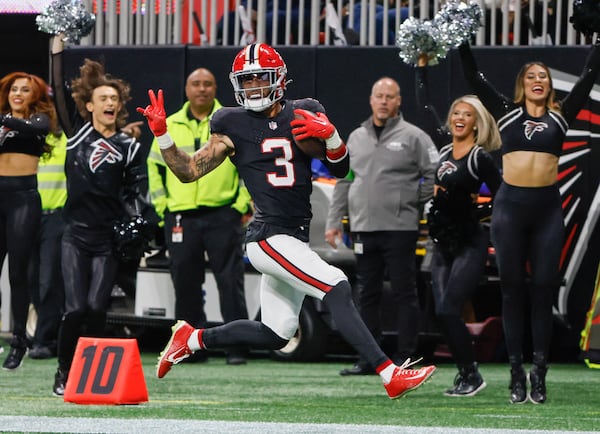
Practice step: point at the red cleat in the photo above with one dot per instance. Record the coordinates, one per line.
(405, 380)
(176, 350)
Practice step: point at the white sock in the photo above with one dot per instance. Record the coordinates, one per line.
(386, 374)
(193, 343)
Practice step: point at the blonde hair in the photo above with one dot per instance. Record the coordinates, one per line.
(487, 134)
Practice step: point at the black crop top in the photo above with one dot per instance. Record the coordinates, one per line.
(521, 131)
(24, 136)
(468, 172)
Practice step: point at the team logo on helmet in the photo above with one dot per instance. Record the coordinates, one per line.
(533, 127)
(103, 153)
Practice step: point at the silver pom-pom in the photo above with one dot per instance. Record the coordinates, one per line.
(68, 17)
(416, 37)
(457, 22)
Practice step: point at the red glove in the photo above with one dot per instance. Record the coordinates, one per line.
(312, 125)
(155, 113)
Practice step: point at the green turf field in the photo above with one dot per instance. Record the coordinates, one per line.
(268, 391)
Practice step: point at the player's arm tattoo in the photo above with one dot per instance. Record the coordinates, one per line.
(189, 168)
(180, 163)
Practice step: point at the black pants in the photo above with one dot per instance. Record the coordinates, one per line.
(391, 252)
(89, 268)
(454, 279)
(528, 230)
(47, 288)
(20, 211)
(216, 232)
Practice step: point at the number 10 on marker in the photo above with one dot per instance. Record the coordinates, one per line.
(105, 375)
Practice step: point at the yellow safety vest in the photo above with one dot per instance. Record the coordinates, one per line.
(52, 181)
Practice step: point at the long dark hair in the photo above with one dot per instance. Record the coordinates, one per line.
(92, 75)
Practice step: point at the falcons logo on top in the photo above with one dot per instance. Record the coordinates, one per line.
(103, 152)
(446, 168)
(532, 127)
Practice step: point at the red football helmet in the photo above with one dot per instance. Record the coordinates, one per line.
(263, 62)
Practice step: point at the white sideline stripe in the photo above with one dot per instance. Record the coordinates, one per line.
(146, 426)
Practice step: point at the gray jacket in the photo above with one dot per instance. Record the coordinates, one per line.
(393, 178)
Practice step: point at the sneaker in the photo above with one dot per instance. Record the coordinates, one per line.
(518, 386)
(404, 380)
(15, 355)
(537, 378)
(176, 349)
(361, 367)
(60, 380)
(40, 352)
(467, 382)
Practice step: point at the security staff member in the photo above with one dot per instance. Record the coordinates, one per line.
(47, 292)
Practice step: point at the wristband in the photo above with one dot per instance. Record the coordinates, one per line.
(335, 155)
(334, 141)
(165, 141)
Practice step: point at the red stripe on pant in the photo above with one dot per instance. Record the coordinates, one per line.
(291, 268)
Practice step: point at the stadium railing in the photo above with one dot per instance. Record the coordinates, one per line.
(317, 22)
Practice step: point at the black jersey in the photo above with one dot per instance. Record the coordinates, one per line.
(99, 172)
(106, 176)
(275, 171)
(468, 172)
(519, 130)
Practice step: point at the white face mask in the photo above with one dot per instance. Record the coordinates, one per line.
(260, 101)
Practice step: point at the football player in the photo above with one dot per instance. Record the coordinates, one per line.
(260, 139)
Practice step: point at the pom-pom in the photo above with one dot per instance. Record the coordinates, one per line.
(586, 16)
(416, 37)
(68, 17)
(456, 22)
(131, 238)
